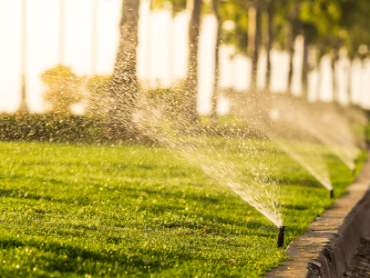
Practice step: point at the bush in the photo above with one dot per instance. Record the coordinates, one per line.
(51, 127)
(168, 100)
(63, 89)
(97, 88)
(61, 128)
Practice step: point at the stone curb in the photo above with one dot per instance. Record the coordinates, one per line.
(327, 247)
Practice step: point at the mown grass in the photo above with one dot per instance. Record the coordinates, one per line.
(140, 211)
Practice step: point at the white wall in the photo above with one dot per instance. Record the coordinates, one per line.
(162, 53)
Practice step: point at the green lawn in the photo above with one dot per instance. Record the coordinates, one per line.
(140, 211)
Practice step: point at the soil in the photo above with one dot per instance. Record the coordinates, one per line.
(360, 265)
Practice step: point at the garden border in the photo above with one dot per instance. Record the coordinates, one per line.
(327, 247)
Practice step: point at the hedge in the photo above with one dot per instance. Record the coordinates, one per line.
(52, 128)
(73, 128)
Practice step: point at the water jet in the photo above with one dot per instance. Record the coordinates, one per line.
(281, 234)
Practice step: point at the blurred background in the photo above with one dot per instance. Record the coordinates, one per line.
(326, 39)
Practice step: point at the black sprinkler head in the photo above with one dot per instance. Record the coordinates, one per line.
(331, 194)
(280, 242)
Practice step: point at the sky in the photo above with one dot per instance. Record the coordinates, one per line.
(162, 53)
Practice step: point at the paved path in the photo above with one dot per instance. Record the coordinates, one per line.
(360, 265)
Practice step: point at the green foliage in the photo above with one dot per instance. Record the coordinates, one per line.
(175, 5)
(168, 100)
(237, 13)
(325, 15)
(357, 24)
(125, 211)
(63, 89)
(52, 127)
(280, 26)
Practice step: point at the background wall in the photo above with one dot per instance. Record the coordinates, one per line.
(162, 53)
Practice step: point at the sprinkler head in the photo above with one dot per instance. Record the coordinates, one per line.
(280, 242)
(331, 194)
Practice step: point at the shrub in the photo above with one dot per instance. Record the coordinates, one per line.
(97, 89)
(63, 89)
(168, 100)
(51, 127)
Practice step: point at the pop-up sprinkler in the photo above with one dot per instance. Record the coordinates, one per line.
(331, 194)
(280, 242)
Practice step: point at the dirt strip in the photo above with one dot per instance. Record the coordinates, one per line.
(329, 244)
(360, 265)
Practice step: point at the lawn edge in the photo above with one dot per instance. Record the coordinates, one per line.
(327, 247)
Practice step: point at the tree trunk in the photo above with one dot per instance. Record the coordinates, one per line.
(291, 56)
(123, 87)
(254, 41)
(95, 36)
(334, 79)
(291, 41)
(349, 85)
(148, 47)
(23, 109)
(319, 79)
(171, 59)
(191, 82)
(217, 63)
(305, 67)
(270, 39)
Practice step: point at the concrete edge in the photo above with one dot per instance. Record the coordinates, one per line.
(327, 247)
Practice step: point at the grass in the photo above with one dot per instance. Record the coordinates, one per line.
(140, 211)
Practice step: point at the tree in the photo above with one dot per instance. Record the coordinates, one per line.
(235, 12)
(217, 62)
(254, 40)
(335, 57)
(123, 86)
(309, 33)
(355, 34)
(292, 23)
(175, 6)
(246, 36)
(270, 39)
(23, 109)
(95, 36)
(321, 23)
(191, 81)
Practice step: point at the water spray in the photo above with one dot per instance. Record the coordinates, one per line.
(281, 234)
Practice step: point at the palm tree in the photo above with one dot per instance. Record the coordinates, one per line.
(254, 40)
(293, 22)
(334, 61)
(305, 65)
(23, 109)
(94, 46)
(61, 31)
(270, 39)
(123, 87)
(217, 62)
(191, 82)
